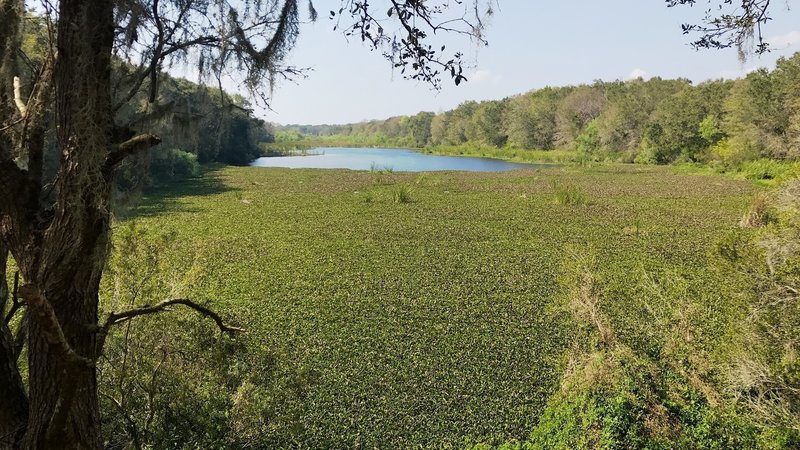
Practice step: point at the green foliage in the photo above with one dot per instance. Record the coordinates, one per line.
(588, 142)
(768, 169)
(402, 195)
(424, 324)
(569, 195)
(615, 399)
(171, 380)
(723, 123)
(763, 369)
(171, 164)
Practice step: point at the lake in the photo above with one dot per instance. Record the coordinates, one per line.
(385, 158)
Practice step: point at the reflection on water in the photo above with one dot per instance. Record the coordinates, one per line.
(384, 158)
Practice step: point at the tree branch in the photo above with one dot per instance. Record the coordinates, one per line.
(23, 109)
(13, 184)
(20, 337)
(117, 318)
(34, 125)
(41, 311)
(134, 145)
(15, 303)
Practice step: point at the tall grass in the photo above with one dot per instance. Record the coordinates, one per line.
(568, 195)
(402, 195)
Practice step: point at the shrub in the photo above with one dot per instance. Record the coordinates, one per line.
(570, 195)
(171, 164)
(759, 214)
(402, 195)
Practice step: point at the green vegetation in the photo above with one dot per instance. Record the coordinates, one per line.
(748, 126)
(569, 195)
(196, 125)
(480, 313)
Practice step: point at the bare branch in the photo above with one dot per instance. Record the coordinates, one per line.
(23, 110)
(15, 303)
(134, 145)
(116, 318)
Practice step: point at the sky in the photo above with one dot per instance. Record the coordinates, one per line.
(532, 44)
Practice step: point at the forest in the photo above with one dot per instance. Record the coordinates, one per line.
(726, 124)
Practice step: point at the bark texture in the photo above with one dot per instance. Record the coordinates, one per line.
(60, 239)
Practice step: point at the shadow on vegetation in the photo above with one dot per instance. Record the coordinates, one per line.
(165, 199)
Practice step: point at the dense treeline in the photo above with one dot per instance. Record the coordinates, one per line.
(197, 124)
(723, 122)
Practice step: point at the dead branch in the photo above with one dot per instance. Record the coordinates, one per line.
(117, 318)
(133, 145)
(21, 106)
(15, 303)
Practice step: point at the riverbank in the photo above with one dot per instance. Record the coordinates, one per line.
(765, 172)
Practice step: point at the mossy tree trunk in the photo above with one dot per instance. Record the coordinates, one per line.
(58, 239)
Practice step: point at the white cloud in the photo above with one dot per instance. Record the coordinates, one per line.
(791, 39)
(481, 75)
(636, 73)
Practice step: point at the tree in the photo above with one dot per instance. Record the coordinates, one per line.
(487, 123)
(419, 128)
(628, 110)
(725, 25)
(459, 122)
(532, 120)
(574, 113)
(676, 126)
(439, 125)
(58, 228)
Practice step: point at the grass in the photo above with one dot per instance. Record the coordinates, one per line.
(402, 195)
(506, 153)
(569, 195)
(430, 323)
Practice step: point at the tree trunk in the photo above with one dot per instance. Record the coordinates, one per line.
(70, 253)
(13, 401)
(60, 245)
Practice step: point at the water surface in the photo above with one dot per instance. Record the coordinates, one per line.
(385, 158)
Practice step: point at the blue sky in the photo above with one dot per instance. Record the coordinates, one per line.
(532, 44)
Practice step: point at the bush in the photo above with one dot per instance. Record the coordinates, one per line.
(759, 214)
(734, 152)
(172, 380)
(172, 164)
(588, 143)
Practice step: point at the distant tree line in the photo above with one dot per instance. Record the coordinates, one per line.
(658, 121)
